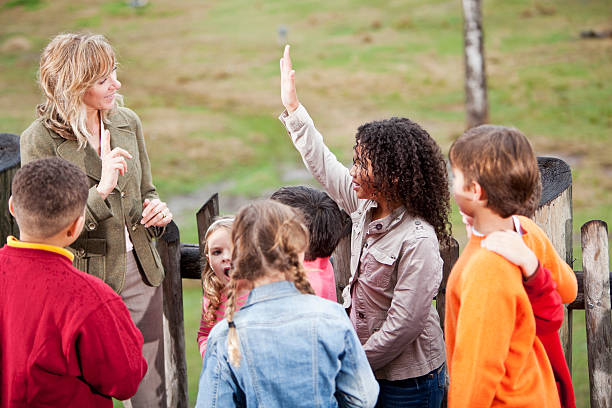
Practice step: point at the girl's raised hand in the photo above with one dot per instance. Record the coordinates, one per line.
(113, 164)
(288, 92)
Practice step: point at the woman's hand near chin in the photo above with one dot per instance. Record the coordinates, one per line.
(113, 164)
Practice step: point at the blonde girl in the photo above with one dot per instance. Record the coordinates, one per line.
(285, 347)
(215, 277)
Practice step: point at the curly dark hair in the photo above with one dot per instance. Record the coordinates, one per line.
(408, 167)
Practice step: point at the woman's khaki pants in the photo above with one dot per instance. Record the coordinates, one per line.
(145, 304)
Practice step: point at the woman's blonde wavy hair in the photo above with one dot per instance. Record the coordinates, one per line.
(211, 284)
(268, 238)
(69, 65)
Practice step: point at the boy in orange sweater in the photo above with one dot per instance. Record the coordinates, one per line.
(541, 289)
(494, 356)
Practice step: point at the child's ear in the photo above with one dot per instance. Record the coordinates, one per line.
(10, 203)
(479, 193)
(75, 228)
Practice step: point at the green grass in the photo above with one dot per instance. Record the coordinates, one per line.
(27, 4)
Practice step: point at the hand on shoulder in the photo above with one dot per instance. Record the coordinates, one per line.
(511, 246)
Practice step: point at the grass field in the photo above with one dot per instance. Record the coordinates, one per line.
(203, 76)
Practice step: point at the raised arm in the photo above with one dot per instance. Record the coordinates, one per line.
(319, 160)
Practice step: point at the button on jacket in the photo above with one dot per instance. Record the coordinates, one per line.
(296, 351)
(396, 268)
(100, 249)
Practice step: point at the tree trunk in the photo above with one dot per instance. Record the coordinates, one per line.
(476, 104)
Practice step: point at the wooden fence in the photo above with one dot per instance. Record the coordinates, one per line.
(184, 261)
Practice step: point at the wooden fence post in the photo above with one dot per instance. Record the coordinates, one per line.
(204, 217)
(9, 164)
(554, 216)
(169, 249)
(449, 254)
(594, 236)
(342, 264)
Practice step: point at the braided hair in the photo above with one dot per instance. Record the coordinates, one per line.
(268, 238)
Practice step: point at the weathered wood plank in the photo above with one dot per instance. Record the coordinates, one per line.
(191, 261)
(342, 265)
(9, 164)
(554, 216)
(594, 236)
(169, 250)
(449, 254)
(204, 217)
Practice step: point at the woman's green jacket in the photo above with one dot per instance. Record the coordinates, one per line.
(100, 250)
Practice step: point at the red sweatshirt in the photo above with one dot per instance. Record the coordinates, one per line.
(66, 339)
(548, 312)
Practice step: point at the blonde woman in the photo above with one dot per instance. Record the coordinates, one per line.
(80, 121)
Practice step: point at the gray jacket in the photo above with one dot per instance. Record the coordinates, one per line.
(100, 249)
(396, 268)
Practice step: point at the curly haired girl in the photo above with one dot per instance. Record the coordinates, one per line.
(215, 276)
(398, 197)
(286, 347)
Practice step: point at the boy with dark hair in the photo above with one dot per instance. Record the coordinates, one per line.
(57, 323)
(494, 356)
(326, 225)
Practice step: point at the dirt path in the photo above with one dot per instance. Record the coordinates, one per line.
(185, 206)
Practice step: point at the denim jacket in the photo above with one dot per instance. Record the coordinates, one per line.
(396, 268)
(296, 351)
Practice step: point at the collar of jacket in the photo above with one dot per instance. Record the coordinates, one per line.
(121, 136)
(270, 291)
(382, 225)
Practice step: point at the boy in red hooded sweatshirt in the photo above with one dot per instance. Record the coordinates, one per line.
(66, 338)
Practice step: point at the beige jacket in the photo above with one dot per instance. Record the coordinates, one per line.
(396, 268)
(100, 249)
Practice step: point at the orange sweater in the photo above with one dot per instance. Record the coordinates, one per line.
(494, 357)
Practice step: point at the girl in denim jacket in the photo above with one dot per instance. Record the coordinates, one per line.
(285, 347)
(397, 195)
